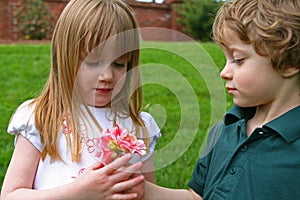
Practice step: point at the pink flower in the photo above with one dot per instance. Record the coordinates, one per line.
(115, 142)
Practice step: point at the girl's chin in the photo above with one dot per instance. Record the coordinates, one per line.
(100, 105)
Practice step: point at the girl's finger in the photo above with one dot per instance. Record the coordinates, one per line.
(94, 166)
(125, 172)
(118, 163)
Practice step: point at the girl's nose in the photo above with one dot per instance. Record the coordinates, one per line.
(106, 74)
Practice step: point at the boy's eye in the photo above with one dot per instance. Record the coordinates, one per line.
(237, 60)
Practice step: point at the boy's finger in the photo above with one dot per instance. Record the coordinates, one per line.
(127, 185)
(124, 196)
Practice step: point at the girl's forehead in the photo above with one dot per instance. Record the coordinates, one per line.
(109, 54)
(109, 49)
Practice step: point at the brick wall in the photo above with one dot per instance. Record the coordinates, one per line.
(8, 9)
(4, 18)
(55, 6)
(148, 15)
(159, 16)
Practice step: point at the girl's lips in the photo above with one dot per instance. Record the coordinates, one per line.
(103, 90)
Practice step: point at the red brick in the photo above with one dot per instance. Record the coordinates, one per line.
(148, 15)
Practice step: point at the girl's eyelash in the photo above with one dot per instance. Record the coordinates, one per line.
(98, 63)
(119, 64)
(93, 64)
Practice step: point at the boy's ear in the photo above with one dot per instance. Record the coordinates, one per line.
(288, 72)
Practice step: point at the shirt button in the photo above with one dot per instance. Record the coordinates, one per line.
(260, 133)
(244, 148)
(232, 170)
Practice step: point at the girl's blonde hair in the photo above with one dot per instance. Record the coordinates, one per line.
(82, 26)
(272, 26)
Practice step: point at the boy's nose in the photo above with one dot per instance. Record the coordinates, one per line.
(225, 73)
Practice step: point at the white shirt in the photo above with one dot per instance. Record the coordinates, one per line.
(56, 173)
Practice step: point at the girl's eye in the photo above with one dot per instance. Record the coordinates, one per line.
(92, 64)
(120, 64)
(237, 60)
(117, 64)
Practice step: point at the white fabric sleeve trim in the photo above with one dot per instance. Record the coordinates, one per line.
(153, 134)
(22, 122)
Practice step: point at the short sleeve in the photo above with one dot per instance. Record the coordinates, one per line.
(152, 128)
(22, 122)
(153, 136)
(198, 181)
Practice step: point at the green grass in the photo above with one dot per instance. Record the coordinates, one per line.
(24, 69)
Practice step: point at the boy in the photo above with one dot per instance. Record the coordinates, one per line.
(257, 152)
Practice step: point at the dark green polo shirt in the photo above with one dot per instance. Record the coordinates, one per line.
(265, 165)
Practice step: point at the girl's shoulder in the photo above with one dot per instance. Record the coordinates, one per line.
(23, 113)
(22, 122)
(150, 123)
(147, 118)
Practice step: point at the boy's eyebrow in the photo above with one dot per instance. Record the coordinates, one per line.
(238, 50)
(235, 49)
(231, 47)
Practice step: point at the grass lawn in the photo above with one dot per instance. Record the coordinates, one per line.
(178, 92)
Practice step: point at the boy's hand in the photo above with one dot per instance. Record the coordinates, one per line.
(138, 189)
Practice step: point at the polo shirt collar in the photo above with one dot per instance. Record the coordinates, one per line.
(237, 113)
(286, 125)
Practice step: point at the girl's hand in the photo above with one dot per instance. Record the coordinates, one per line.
(108, 182)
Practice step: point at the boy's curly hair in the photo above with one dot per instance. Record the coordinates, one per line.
(271, 26)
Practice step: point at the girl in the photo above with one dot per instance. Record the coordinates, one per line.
(93, 85)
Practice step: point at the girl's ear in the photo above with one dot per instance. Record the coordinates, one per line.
(288, 72)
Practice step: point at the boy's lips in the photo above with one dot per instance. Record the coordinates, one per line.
(230, 89)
